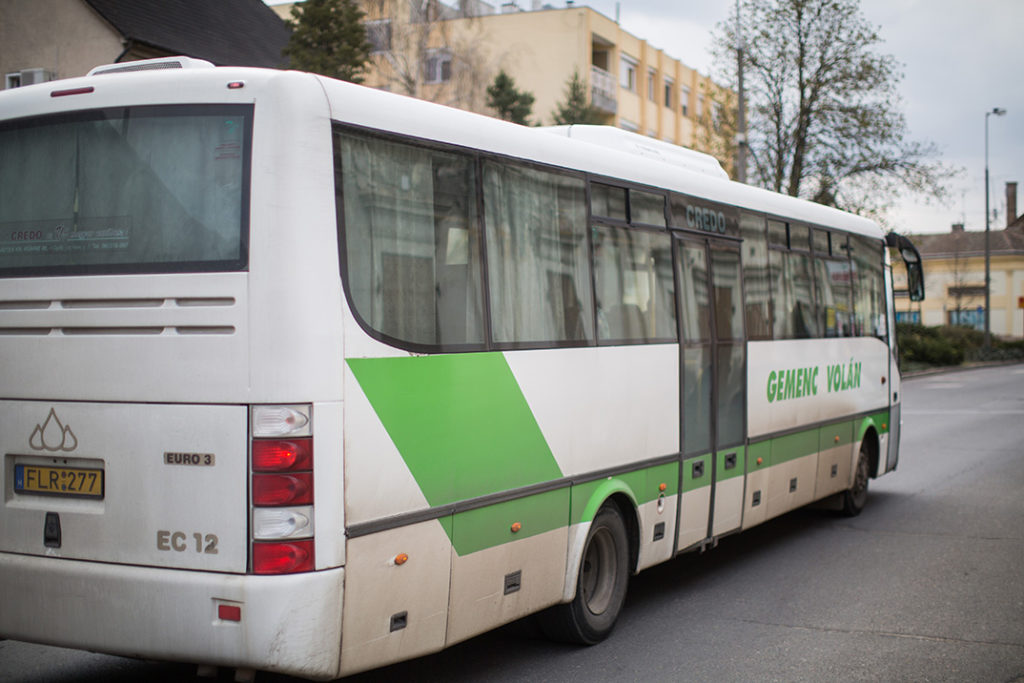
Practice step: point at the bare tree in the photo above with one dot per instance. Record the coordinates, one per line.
(824, 105)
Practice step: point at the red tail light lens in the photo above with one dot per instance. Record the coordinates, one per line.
(282, 489)
(282, 558)
(278, 455)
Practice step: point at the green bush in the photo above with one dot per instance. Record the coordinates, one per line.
(922, 346)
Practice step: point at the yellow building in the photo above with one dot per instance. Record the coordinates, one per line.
(450, 54)
(954, 276)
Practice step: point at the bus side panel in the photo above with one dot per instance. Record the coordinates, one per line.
(803, 382)
(835, 461)
(755, 510)
(603, 407)
(378, 483)
(511, 578)
(396, 595)
(295, 293)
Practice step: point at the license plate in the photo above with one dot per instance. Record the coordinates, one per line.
(72, 482)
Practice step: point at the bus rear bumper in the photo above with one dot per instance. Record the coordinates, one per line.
(289, 624)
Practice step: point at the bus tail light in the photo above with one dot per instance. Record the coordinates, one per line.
(282, 558)
(281, 489)
(278, 455)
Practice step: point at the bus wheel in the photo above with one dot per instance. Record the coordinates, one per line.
(856, 496)
(600, 588)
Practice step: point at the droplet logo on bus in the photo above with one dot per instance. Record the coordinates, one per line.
(801, 382)
(53, 436)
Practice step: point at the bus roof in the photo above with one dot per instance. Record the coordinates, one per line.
(393, 113)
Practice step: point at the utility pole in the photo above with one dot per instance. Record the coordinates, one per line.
(741, 109)
(988, 250)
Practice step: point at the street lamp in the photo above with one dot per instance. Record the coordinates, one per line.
(988, 253)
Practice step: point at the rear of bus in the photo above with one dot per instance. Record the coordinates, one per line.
(170, 368)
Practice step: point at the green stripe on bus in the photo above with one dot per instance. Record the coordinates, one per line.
(793, 446)
(881, 420)
(696, 472)
(737, 455)
(642, 486)
(759, 451)
(512, 520)
(459, 421)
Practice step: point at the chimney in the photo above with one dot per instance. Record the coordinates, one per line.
(958, 227)
(1011, 203)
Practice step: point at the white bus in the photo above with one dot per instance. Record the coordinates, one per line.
(305, 377)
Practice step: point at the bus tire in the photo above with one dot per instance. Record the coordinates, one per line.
(855, 497)
(600, 586)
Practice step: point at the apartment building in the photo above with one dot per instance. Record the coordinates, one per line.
(450, 53)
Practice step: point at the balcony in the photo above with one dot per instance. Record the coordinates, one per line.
(603, 90)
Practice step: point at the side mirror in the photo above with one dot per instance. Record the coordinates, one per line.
(912, 260)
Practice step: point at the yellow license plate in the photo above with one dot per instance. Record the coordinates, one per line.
(74, 482)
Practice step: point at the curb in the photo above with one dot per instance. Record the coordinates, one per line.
(960, 368)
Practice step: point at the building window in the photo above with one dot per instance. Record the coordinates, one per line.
(438, 67)
(12, 80)
(716, 116)
(684, 100)
(669, 87)
(626, 124)
(700, 106)
(967, 318)
(652, 78)
(378, 33)
(628, 73)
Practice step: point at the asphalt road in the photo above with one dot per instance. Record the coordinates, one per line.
(926, 585)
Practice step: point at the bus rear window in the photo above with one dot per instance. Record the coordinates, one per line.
(127, 190)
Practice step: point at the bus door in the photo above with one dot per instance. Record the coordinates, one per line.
(730, 388)
(713, 386)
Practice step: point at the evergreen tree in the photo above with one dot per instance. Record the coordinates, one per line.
(511, 103)
(576, 108)
(328, 38)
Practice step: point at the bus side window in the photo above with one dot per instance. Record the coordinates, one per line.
(537, 256)
(633, 278)
(756, 280)
(869, 288)
(412, 241)
(832, 269)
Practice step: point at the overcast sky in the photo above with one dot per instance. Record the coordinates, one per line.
(961, 58)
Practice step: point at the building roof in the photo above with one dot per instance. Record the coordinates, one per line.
(962, 243)
(225, 32)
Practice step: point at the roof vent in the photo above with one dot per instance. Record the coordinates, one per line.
(634, 143)
(152, 65)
